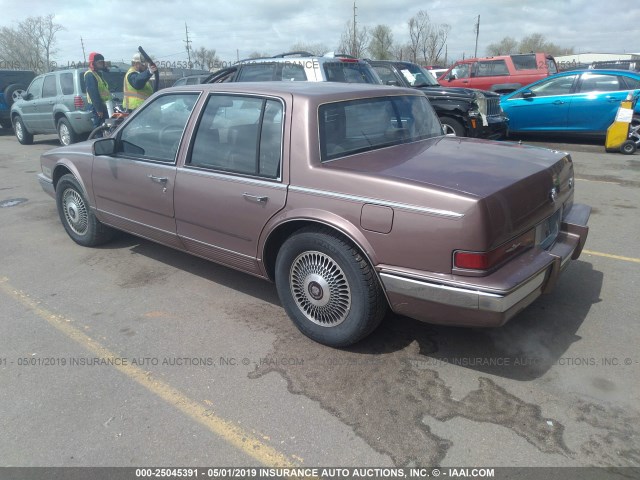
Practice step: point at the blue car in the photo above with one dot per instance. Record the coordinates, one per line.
(581, 102)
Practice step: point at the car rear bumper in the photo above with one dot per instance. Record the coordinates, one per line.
(476, 301)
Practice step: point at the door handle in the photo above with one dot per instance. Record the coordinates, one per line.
(255, 198)
(559, 102)
(162, 180)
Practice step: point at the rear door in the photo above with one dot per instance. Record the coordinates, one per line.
(232, 182)
(594, 106)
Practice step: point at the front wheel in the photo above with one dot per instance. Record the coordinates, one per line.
(76, 216)
(66, 133)
(328, 288)
(22, 134)
(628, 147)
(452, 127)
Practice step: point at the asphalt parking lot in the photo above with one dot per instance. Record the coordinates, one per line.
(138, 355)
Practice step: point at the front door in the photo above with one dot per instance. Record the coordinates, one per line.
(134, 188)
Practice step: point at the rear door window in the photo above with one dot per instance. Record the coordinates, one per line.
(49, 88)
(257, 72)
(491, 68)
(524, 62)
(66, 83)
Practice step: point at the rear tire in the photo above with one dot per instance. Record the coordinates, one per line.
(328, 288)
(76, 215)
(22, 134)
(452, 127)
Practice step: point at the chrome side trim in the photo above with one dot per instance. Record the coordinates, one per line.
(386, 203)
(232, 177)
(460, 296)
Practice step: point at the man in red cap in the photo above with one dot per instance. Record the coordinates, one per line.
(97, 89)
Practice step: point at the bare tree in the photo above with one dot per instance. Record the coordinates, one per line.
(205, 58)
(31, 44)
(355, 42)
(257, 54)
(417, 33)
(313, 48)
(381, 44)
(536, 42)
(434, 42)
(505, 46)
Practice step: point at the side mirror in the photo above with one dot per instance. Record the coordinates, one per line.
(452, 77)
(26, 95)
(528, 94)
(104, 146)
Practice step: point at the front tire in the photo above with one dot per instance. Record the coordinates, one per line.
(452, 127)
(66, 133)
(22, 134)
(76, 215)
(328, 288)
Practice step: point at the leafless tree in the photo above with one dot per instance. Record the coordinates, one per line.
(354, 42)
(417, 33)
(435, 42)
(505, 46)
(381, 44)
(31, 44)
(313, 48)
(205, 58)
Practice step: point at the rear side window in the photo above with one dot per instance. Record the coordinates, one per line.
(524, 62)
(292, 72)
(386, 74)
(49, 88)
(356, 126)
(349, 72)
(240, 134)
(600, 83)
(257, 72)
(631, 83)
(66, 83)
(492, 68)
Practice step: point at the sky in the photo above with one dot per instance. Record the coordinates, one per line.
(237, 28)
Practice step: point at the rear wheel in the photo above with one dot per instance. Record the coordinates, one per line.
(328, 288)
(22, 134)
(76, 215)
(628, 147)
(66, 133)
(452, 127)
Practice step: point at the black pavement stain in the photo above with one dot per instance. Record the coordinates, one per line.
(381, 388)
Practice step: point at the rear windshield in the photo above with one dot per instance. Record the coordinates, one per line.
(524, 62)
(356, 126)
(350, 72)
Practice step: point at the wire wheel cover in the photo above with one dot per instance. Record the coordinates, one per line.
(75, 211)
(320, 288)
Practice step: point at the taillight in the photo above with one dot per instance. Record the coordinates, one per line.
(348, 60)
(77, 102)
(487, 260)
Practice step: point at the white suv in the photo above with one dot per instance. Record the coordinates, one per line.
(298, 66)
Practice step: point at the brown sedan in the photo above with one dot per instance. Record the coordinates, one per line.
(349, 197)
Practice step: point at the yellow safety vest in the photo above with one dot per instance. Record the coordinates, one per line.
(103, 87)
(133, 98)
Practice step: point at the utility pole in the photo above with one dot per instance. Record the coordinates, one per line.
(188, 42)
(353, 48)
(84, 55)
(475, 53)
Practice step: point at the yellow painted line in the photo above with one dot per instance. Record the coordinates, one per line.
(608, 255)
(244, 441)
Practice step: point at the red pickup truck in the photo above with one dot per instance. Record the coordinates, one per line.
(500, 74)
